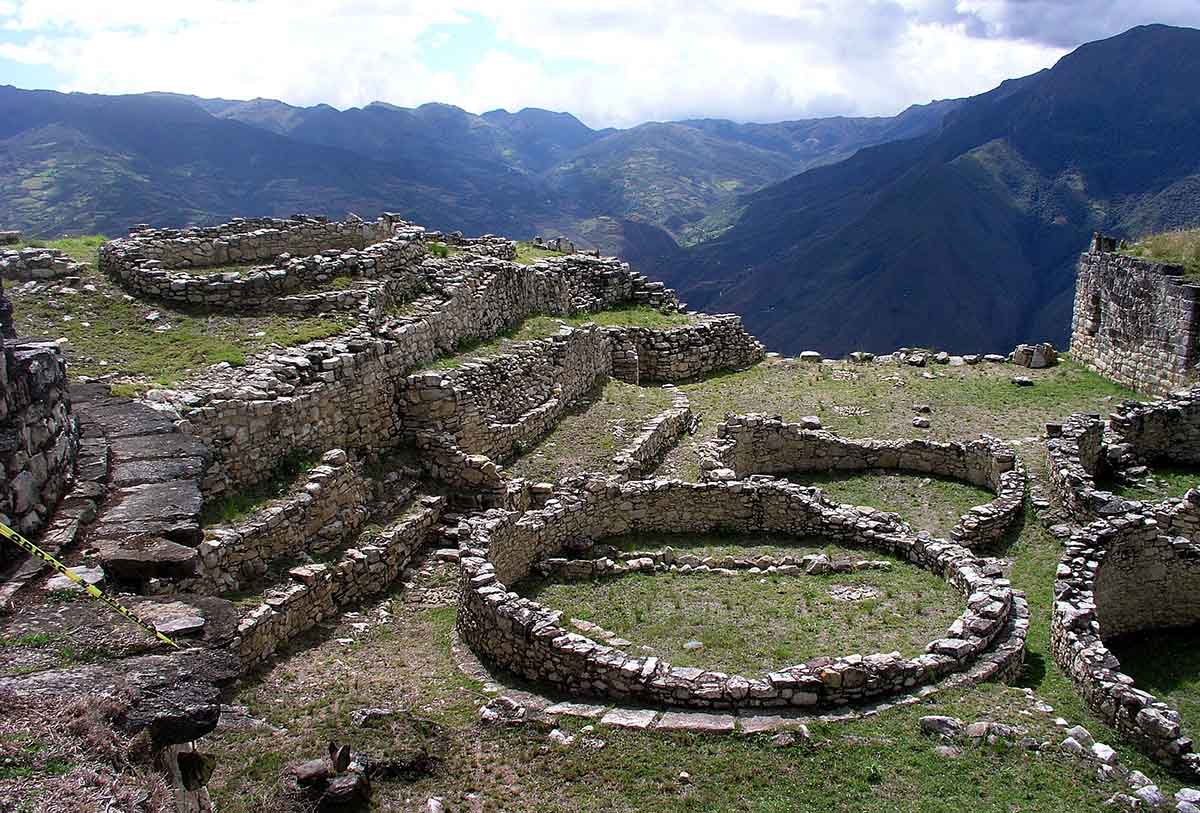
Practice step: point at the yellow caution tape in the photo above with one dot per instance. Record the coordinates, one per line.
(92, 590)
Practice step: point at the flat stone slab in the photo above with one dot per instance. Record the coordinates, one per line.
(586, 710)
(156, 447)
(696, 721)
(90, 575)
(770, 723)
(640, 719)
(139, 472)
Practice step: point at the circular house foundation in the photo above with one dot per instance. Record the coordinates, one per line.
(756, 444)
(528, 639)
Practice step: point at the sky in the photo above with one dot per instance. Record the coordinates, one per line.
(611, 63)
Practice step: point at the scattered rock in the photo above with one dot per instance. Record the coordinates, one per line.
(1022, 381)
(948, 728)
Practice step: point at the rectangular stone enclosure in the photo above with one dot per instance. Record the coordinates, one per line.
(1136, 321)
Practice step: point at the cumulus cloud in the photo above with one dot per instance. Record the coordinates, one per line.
(617, 62)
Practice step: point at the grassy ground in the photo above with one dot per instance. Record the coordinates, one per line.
(925, 502)
(528, 254)
(542, 327)
(591, 433)
(1164, 481)
(1167, 664)
(876, 400)
(751, 623)
(111, 334)
(1181, 247)
(241, 504)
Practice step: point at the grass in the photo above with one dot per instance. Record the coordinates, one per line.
(876, 400)
(926, 502)
(591, 432)
(1165, 663)
(108, 333)
(528, 253)
(1181, 247)
(241, 504)
(753, 623)
(1164, 481)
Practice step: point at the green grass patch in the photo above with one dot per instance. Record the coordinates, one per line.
(240, 504)
(750, 623)
(926, 502)
(1163, 482)
(528, 253)
(1181, 247)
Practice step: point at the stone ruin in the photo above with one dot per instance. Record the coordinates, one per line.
(21, 265)
(1128, 566)
(407, 455)
(1135, 321)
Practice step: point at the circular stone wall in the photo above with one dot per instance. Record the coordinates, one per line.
(528, 639)
(755, 444)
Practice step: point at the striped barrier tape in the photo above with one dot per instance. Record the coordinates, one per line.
(91, 589)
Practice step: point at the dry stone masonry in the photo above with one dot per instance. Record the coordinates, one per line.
(38, 264)
(1135, 321)
(501, 548)
(755, 444)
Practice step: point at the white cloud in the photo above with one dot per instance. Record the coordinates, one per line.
(615, 62)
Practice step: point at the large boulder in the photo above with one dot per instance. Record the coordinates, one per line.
(1034, 356)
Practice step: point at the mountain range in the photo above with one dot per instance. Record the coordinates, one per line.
(954, 224)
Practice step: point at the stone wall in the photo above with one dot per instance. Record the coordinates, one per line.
(712, 344)
(1135, 321)
(344, 392)
(38, 264)
(528, 639)
(331, 503)
(157, 268)
(489, 245)
(497, 405)
(39, 435)
(755, 444)
(320, 591)
(1075, 453)
(655, 438)
(1164, 430)
(1120, 576)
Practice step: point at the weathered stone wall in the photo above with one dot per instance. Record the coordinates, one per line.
(527, 638)
(493, 406)
(330, 504)
(488, 245)
(39, 435)
(38, 264)
(1119, 576)
(1167, 429)
(1135, 321)
(655, 438)
(343, 393)
(1075, 452)
(755, 444)
(155, 268)
(320, 591)
(712, 344)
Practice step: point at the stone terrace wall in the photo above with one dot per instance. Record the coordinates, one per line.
(1135, 321)
(526, 638)
(38, 264)
(1167, 429)
(1122, 576)
(657, 435)
(343, 393)
(320, 591)
(492, 406)
(331, 503)
(713, 344)
(39, 436)
(755, 444)
(134, 262)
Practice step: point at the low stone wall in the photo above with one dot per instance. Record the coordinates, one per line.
(526, 638)
(489, 245)
(755, 444)
(497, 405)
(656, 437)
(1163, 430)
(712, 344)
(38, 264)
(39, 435)
(321, 591)
(330, 504)
(1136, 322)
(1121, 576)
(134, 264)
(1076, 454)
